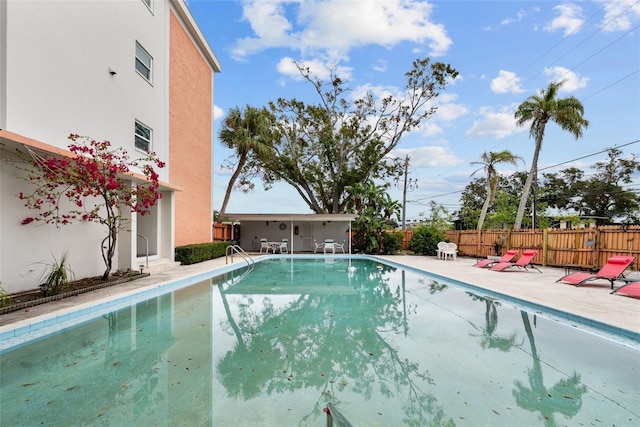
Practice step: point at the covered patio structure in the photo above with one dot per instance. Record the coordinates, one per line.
(301, 230)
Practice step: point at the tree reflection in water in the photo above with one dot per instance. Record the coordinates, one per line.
(565, 397)
(489, 338)
(330, 342)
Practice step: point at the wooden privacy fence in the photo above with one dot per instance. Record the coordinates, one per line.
(406, 238)
(221, 232)
(587, 248)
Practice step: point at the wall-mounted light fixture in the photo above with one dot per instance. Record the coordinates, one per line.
(267, 223)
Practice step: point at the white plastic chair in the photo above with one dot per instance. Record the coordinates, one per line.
(340, 246)
(329, 246)
(442, 247)
(451, 251)
(264, 244)
(317, 246)
(283, 246)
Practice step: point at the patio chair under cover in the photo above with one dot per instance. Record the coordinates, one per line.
(340, 246)
(485, 263)
(329, 246)
(523, 262)
(612, 270)
(631, 289)
(264, 244)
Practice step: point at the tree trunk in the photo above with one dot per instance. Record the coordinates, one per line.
(232, 181)
(527, 185)
(109, 251)
(485, 208)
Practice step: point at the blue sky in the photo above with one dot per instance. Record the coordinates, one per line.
(505, 51)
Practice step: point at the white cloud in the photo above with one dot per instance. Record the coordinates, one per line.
(428, 157)
(569, 19)
(493, 124)
(620, 15)
(520, 15)
(506, 82)
(448, 110)
(572, 80)
(381, 66)
(269, 25)
(318, 68)
(333, 27)
(429, 129)
(378, 91)
(218, 113)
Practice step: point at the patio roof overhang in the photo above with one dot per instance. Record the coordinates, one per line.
(12, 141)
(239, 217)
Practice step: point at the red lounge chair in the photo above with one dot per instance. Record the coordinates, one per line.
(630, 289)
(523, 262)
(485, 263)
(612, 271)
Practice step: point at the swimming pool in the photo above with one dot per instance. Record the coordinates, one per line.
(388, 346)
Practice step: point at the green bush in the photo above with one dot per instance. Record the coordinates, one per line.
(193, 254)
(5, 298)
(425, 240)
(56, 275)
(391, 242)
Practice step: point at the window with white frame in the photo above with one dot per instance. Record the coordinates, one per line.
(144, 62)
(143, 137)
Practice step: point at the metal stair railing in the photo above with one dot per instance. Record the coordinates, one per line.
(235, 249)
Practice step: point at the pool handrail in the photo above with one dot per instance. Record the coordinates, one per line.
(231, 249)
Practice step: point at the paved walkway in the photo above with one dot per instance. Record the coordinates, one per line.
(590, 302)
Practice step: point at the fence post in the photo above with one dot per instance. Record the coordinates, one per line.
(596, 248)
(545, 246)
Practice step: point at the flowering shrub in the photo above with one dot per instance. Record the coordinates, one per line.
(97, 180)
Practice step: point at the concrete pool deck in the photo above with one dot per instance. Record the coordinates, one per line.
(592, 301)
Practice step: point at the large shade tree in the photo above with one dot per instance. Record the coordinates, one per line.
(323, 149)
(247, 132)
(602, 195)
(539, 110)
(488, 162)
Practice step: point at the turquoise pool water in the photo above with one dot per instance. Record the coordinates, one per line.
(388, 347)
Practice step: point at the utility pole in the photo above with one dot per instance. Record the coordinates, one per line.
(409, 184)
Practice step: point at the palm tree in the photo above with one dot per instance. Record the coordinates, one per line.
(489, 161)
(539, 109)
(246, 132)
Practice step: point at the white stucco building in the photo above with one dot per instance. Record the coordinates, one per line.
(137, 73)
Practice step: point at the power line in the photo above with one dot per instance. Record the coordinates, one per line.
(589, 155)
(540, 169)
(570, 69)
(612, 84)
